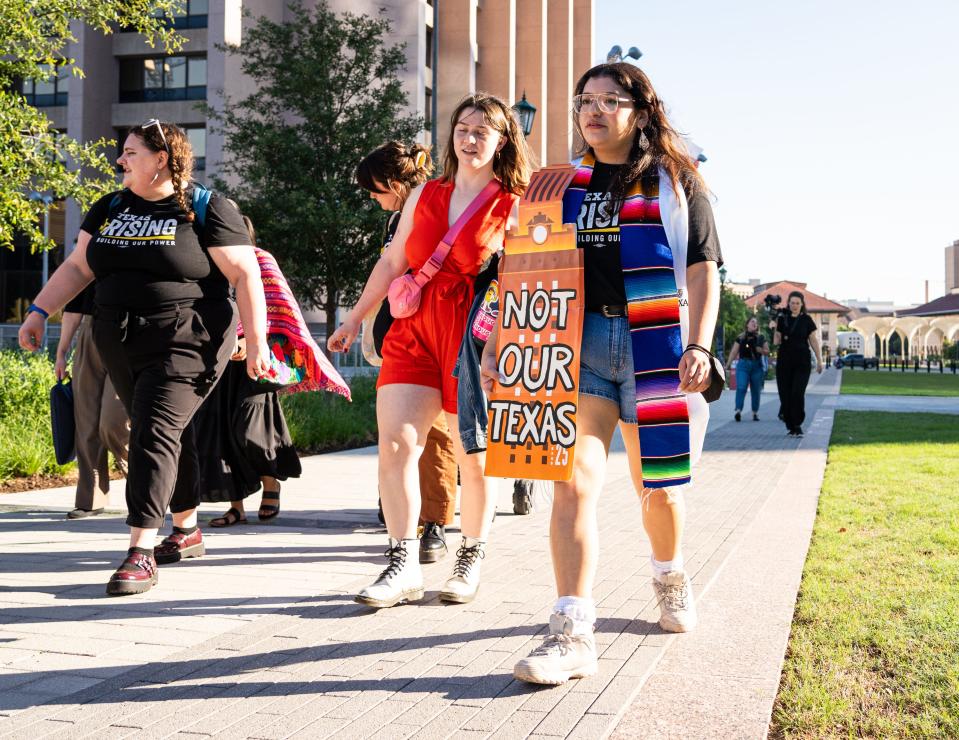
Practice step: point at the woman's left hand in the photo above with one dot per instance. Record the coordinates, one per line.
(257, 360)
(694, 369)
(819, 368)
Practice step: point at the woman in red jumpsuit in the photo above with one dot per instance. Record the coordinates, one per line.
(419, 353)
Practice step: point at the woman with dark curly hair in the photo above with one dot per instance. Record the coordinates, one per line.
(164, 325)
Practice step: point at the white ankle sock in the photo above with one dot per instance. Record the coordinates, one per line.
(662, 567)
(473, 541)
(581, 611)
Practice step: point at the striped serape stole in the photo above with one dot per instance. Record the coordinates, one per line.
(285, 320)
(652, 302)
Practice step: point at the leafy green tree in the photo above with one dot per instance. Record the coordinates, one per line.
(34, 156)
(733, 315)
(326, 94)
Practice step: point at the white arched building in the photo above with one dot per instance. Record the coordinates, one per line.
(921, 329)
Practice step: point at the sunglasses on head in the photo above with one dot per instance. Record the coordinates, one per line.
(156, 122)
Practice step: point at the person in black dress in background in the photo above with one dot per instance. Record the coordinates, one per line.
(796, 333)
(244, 441)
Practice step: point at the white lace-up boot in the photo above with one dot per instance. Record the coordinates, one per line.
(401, 581)
(461, 588)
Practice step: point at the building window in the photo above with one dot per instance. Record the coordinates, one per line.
(428, 115)
(197, 137)
(162, 78)
(429, 47)
(52, 91)
(192, 15)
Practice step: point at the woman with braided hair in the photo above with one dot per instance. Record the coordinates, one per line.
(165, 326)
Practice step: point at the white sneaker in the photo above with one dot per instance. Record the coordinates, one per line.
(561, 656)
(401, 581)
(462, 587)
(674, 593)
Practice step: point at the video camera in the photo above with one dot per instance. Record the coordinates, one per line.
(772, 303)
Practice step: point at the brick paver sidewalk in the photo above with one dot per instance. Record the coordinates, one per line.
(261, 638)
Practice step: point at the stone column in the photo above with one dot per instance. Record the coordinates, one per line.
(583, 45)
(559, 77)
(531, 62)
(496, 34)
(90, 104)
(456, 62)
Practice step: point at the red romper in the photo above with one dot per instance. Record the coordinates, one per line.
(422, 349)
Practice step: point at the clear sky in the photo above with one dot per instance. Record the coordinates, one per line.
(830, 127)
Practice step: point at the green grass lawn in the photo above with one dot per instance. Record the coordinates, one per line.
(874, 647)
(895, 383)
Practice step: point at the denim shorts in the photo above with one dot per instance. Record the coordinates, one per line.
(606, 363)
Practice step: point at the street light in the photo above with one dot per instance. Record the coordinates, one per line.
(722, 275)
(526, 112)
(616, 54)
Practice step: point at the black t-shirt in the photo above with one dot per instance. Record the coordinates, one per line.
(597, 231)
(794, 332)
(83, 303)
(146, 254)
(749, 342)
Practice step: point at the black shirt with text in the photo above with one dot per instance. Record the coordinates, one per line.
(597, 232)
(147, 254)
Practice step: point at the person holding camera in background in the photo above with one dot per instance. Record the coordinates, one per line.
(796, 333)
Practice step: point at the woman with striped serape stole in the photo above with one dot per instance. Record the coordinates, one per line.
(651, 296)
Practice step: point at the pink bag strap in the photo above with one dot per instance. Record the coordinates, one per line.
(435, 262)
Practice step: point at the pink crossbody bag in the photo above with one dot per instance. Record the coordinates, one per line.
(406, 291)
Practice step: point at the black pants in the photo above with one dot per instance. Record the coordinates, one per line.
(163, 364)
(792, 377)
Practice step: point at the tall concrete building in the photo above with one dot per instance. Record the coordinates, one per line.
(952, 267)
(453, 47)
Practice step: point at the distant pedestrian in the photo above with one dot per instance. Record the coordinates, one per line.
(796, 334)
(102, 424)
(749, 349)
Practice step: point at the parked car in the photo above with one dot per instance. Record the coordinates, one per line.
(856, 360)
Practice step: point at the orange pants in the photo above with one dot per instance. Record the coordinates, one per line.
(438, 475)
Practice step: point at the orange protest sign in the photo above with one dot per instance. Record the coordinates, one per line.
(532, 411)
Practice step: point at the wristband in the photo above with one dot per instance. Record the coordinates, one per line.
(699, 347)
(34, 308)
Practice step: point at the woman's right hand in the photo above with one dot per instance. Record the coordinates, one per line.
(31, 332)
(342, 339)
(60, 367)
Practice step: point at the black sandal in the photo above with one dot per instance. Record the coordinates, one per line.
(232, 517)
(272, 510)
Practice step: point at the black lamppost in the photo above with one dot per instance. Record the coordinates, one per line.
(616, 54)
(526, 112)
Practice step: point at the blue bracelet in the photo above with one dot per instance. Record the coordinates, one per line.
(34, 308)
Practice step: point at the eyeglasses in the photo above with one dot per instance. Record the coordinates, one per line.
(606, 102)
(156, 122)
